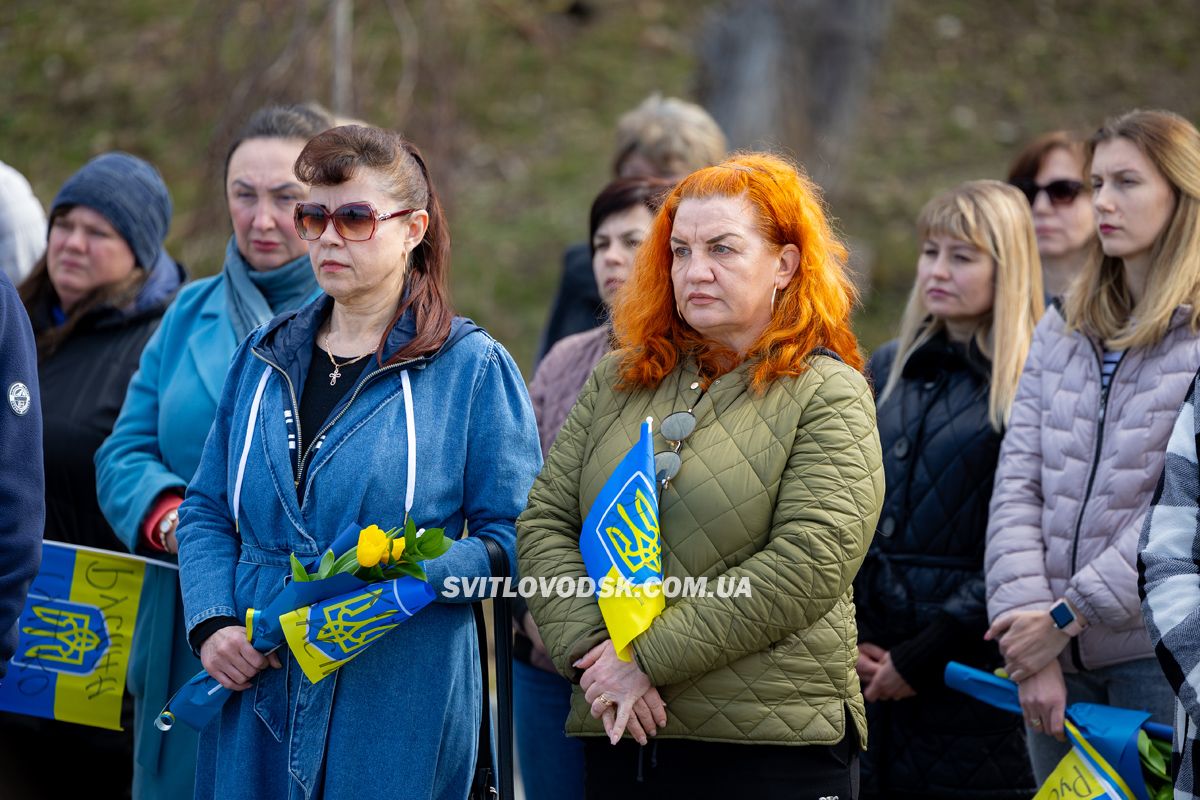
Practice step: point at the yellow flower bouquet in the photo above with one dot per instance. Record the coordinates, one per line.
(363, 586)
(378, 555)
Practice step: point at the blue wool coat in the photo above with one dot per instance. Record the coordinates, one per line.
(400, 721)
(155, 446)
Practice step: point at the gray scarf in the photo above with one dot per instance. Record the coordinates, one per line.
(255, 297)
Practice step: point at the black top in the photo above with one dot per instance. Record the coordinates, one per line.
(920, 593)
(322, 392)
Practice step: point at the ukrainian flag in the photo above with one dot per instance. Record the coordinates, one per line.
(621, 547)
(328, 634)
(74, 637)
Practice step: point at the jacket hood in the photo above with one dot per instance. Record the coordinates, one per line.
(287, 339)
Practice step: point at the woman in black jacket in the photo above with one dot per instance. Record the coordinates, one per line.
(94, 299)
(944, 390)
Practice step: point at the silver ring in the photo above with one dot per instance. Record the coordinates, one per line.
(1037, 723)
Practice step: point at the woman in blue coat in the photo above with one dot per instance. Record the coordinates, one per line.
(144, 467)
(371, 403)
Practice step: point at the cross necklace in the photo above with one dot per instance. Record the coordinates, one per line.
(337, 368)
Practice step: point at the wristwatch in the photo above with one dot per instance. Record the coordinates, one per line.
(1065, 618)
(164, 527)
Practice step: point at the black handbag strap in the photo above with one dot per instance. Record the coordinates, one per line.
(501, 771)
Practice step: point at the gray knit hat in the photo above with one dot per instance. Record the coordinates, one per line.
(129, 193)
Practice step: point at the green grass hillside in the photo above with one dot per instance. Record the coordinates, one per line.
(514, 104)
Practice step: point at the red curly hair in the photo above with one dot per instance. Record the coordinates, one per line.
(812, 311)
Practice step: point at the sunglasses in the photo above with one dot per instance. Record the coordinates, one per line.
(354, 222)
(1060, 193)
(674, 428)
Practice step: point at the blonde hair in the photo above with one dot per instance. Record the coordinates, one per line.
(675, 136)
(1099, 301)
(995, 218)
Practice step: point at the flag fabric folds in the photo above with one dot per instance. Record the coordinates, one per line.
(1104, 761)
(621, 548)
(74, 636)
(328, 634)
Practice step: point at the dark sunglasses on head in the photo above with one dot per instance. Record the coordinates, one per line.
(1061, 192)
(354, 222)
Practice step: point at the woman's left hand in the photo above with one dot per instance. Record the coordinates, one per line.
(1029, 640)
(888, 684)
(610, 684)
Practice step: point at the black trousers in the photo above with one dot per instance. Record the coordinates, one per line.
(686, 768)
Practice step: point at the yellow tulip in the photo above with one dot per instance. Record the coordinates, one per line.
(372, 544)
(397, 548)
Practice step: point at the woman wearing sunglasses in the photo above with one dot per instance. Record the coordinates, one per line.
(1101, 389)
(371, 404)
(945, 391)
(1049, 171)
(734, 336)
(144, 467)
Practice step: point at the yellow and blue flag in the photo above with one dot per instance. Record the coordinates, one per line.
(74, 637)
(621, 547)
(329, 633)
(1104, 761)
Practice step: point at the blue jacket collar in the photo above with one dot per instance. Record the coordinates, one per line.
(287, 340)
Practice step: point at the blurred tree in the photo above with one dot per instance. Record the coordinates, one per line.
(792, 75)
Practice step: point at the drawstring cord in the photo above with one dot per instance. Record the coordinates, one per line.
(653, 758)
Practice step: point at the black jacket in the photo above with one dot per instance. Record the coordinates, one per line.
(577, 305)
(22, 509)
(921, 593)
(83, 385)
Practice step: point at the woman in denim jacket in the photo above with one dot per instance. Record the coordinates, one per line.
(370, 400)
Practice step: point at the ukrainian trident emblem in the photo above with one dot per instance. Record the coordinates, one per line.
(631, 528)
(62, 636)
(349, 626)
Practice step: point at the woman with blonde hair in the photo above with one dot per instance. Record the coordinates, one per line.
(947, 386)
(1103, 382)
(733, 333)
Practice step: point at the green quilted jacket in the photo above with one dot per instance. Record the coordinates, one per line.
(783, 488)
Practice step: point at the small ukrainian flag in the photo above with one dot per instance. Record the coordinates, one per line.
(621, 547)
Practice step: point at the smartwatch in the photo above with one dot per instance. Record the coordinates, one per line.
(1064, 616)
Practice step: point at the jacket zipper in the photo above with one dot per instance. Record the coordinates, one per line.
(1076, 654)
(303, 453)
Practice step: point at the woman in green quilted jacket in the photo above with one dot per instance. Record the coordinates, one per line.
(734, 335)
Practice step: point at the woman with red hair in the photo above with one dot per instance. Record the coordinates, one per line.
(733, 331)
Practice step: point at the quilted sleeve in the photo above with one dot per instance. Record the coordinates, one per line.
(1168, 577)
(831, 491)
(1015, 559)
(548, 541)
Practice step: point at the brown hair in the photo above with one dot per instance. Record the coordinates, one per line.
(333, 157)
(1029, 161)
(38, 296)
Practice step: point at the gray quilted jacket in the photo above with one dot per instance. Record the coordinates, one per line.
(783, 488)
(1076, 475)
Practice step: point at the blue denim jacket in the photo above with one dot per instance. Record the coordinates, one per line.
(402, 719)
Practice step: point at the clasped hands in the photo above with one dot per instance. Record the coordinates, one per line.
(879, 677)
(620, 694)
(1030, 643)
